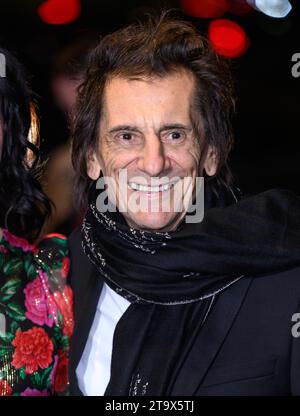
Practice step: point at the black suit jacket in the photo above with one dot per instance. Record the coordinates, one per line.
(245, 347)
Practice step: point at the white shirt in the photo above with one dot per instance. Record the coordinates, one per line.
(93, 370)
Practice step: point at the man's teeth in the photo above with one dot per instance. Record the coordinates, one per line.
(146, 188)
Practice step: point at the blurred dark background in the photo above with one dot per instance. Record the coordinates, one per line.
(267, 124)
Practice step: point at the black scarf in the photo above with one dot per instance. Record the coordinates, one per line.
(172, 279)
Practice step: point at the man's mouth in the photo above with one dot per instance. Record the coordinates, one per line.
(147, 188)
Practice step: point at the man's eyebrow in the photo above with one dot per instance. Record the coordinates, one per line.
(175, 126)
(123, 127)
(135, 129)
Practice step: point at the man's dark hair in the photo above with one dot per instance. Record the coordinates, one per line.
(157, 47)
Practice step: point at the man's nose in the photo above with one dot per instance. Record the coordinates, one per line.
(153, 160)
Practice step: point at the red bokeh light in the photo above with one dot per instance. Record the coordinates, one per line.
(59, 12)
(205, 8)
(228, 38)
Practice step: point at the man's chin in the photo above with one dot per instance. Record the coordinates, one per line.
(153, 222)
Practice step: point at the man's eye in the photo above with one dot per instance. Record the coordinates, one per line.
(126, 136)
(175, 135)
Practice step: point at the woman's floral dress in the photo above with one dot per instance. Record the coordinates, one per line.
(36, 319)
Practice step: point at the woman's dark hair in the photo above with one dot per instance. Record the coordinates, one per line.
(157, 47)
(23, 205)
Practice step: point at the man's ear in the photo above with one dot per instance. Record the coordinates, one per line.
(211, 161)
(93, 166)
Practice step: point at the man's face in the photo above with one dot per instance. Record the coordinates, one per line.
(146, 129)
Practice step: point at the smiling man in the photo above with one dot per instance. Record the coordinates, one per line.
(146, 128)
(164, 306)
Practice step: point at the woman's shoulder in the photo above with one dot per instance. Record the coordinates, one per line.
(36, 305)
(50, 254)
(19, 245)
(10, 243)
(39, 270)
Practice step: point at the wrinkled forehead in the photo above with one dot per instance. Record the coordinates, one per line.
(149, 99)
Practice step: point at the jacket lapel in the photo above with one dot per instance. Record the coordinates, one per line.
(87, 285)
(84, 320)
(210, 339)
